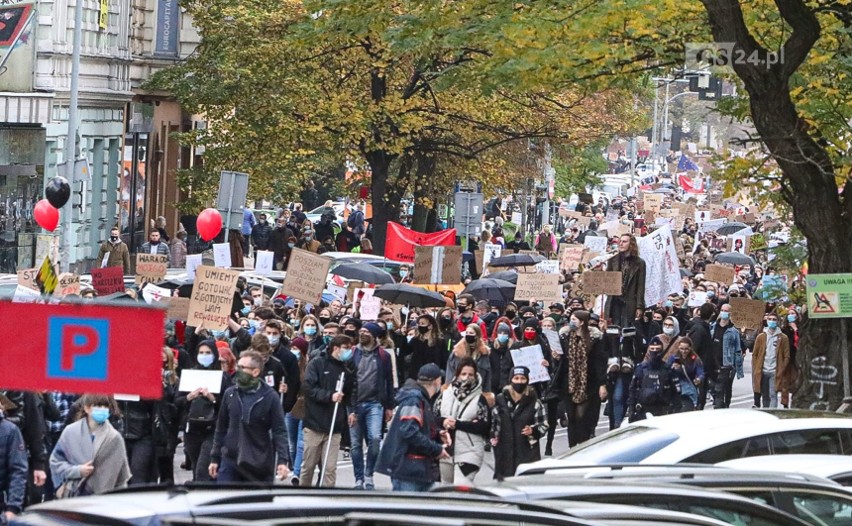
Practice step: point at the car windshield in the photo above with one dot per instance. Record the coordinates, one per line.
(631, 444)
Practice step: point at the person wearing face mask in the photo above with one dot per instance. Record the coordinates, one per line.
(89, 458)
(464, 411)
(155, 246)
(655, 388)
(511, 312)
(329, 331)
(427, 346)
(280, 368)
(278, 240)
(727, 356)
(201, 408)
(119, 254)
(790, 328)
(699, 332)
(447, 328)
(308, 241)
(250, 429)
(518, 422)
(321, 376)
(770, 362)
(690, 371)
(294, 418)
(473, 346)
(309, 330)
(261, 234)
(467, 316)
(502, 340)
(670, 336)
(351, 326)
(530, 334)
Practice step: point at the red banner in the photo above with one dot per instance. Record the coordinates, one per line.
(400, 242)
(692, 186)
(84, 348)
(108, 280)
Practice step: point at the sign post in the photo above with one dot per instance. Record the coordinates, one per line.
(830, 296)
(233, 189)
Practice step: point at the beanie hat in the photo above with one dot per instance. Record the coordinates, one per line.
(521, 370)
(301, 344)
(656, 340)
(504, 327)
(374, 329)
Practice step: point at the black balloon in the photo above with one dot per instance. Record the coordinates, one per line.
(58, 192)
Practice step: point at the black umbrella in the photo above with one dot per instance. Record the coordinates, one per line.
(734, 258)
(491, 289)
(731, 228)
(363, 272)
(516, 260)
(506, 275)
(404, 294)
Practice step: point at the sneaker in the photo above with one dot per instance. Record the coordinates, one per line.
(294, 480)
(368, 484)
(359, 484)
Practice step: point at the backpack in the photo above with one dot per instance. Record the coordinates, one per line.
(351, 221)
(327, 218)
(201, 412)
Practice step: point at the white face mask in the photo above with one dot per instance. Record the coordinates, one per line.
(668, 331)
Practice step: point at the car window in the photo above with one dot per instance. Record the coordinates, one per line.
(631, 444)
(718, 510)
(806, 441)
(746, 447)
(823, 509)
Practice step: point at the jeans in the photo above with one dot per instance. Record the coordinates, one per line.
(229, 473)
(140, 456)
(296, 437)
(618, 400)
(767, 390)
(410, 485)
(368, 425)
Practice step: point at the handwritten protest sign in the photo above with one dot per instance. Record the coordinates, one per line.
(193, 261)
(108, 280)
(540, 287)
(596, 244)
(25, 295)
(746, 313)
(306, 276)
(152, 293)
(662, 267)
(602, 282)
(653, 202)
(151, 268)
(710, 225)
(531, 357)
(69, 285)
(212, 297)
(548, 266)
(27, 278)
(570, 257)
(697, 298)
(490, 252)
(437, 264)
(369, 305)
(264, 262)
(719, 274)
(176, 308)
(222, 255)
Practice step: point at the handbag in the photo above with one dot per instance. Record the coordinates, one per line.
(201, 411)
(72, 488)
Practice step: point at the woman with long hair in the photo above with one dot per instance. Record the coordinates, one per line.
(502, 340)
(471, 346)
(624, 309)
(166, 421)
(580, 376)
(464, 411)
(310, 330)
(689, 370)
(90, 458)
(427, 346)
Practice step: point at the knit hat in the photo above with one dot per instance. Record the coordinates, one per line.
(531, 323)
(521, 370)
(354, 321)
(301, 344)
(504, 327)
(374, 329)
(656, 340)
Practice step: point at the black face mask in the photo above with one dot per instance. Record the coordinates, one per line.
(510, 314)
(352, 334)
(445, 322)
(422, 330)
(519, 388)
(324, 320)
(469, 338)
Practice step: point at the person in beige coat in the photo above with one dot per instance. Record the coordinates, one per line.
(770, 365)
(119, 255)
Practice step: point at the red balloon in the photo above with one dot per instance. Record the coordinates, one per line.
(46, 215)
(209, 224)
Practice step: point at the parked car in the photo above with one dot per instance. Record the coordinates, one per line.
(339, 210)
(718, 505)
(833, 467)
(341, 258)
(710, 437)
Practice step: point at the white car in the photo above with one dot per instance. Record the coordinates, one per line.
(710, 437)
(833, 467)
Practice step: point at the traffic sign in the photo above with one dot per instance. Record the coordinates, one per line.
(468, 213)
(829, 295)
(84, 348)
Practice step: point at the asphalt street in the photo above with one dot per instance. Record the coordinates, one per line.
(742, 398)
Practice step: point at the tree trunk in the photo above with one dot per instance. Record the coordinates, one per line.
(422, 190)
(808, 183)
(385, 209)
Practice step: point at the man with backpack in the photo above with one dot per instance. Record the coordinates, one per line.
(325, 226)
(355, 223)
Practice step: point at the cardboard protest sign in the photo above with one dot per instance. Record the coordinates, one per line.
(602, 282)
(176, 308)
(69, 285)
(27, 278)
(741, 244)
(108, 280)
(719, 274)
(539, 287)
(653, 202)
(222, 255)
(306, 276)
(151, 268)
(212, 297)
(746, 313)
(531, 357)
(353, 287)
(570, 257)
(437, 264)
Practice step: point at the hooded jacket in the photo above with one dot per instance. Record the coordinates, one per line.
(483, 362)
(196, 405)
(473, 421)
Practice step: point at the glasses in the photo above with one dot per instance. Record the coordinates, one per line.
(668, 325)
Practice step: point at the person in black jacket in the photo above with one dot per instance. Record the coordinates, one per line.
(202, 408)
(426, 347)
(699, 332)
(283, 379)
(13, 466)
(29, 417)
(261, 234)
(321, 377)
(250, 429)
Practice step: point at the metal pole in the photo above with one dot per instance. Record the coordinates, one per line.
(844, 353)
(654, 127)
(337, 389)
(71, 139)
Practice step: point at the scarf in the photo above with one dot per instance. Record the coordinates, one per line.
(103, 445)
(578, 370)
(461, 390)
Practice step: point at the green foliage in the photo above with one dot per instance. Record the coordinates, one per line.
(577, 170)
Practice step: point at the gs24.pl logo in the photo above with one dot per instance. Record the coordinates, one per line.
(701, 55)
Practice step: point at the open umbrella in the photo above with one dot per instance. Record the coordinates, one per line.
(516, 260)
(491, 289)
(733, 228)
(404, 294)
(363, 272)
(734, 258)
(506, 275)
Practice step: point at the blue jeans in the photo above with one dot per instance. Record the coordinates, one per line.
(296, 437)
(410, 485)
(228, 473)
(368, 421)
(618, 400)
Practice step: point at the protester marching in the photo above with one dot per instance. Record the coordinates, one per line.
(630, 308)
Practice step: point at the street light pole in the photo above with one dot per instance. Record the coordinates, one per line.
(71, 139)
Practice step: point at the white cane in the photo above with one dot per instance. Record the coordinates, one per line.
(337, 389)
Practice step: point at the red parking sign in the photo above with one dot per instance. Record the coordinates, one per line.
(82, 348)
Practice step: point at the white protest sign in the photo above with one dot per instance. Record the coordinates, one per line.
(222, 255)
(711, 226)
(491, 251)
(337, 292)
(192, 379)
(153, 293)
(370, 306)
(553, 340)
(697, 298)
(548, 266)
(596, 244)
(193, 261)
(25, 295)
(264, 262)
(531, 358)
(517, 218)
(662, 267)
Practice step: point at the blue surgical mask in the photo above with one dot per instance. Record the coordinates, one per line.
(205, 360)
(502, 338)
(273, 340)
(100, 414)
(725, 315)
(310, 331)
(346, 354)
(389, 325)
(409, 338)
(296, 352)
(217, 334)
(326, 339)
(403, 273)
(254, 324)
(245, 310)
(791, 318)
(572, 325)
(669, 304)
(772, 324)
(291, 245)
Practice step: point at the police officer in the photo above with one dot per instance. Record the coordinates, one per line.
(655, 388)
